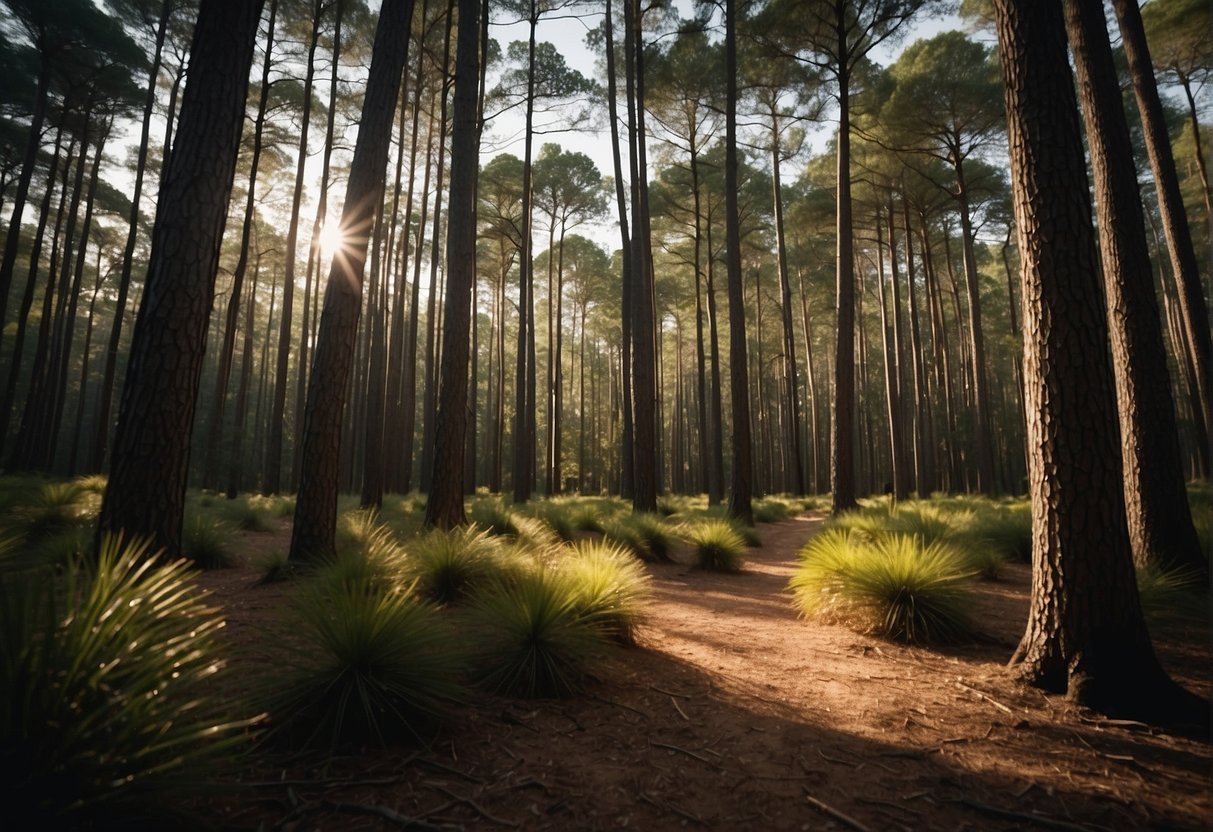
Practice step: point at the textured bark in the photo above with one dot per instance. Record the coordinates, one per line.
(1192, 304)
(645, 480)
(1085, 634)
(316, 506)
(444, 508)
(1160, 520)
(791, 386)
(740, 506)
(146, 493)
(842, 437)
(524, 416)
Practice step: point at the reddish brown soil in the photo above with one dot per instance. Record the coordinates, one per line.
(734, 714)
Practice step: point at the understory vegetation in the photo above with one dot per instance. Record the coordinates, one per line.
(114, 695)
(905, 571)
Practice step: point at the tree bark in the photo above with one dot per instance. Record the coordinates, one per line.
(316, 505)
(740, 506)
(1192, 304)
(1085, 634)
(146, 492)
(444, 509)
(1160, 520)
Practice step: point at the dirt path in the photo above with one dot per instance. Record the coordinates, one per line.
(734, 714)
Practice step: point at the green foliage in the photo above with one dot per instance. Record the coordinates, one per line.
(361, 666)
(532, 636)
(276, 568)
(772, 509)
(494, 516)
(558, 518)
(107, 689)
(208, 543)
(448, 564)
(38, 510)
(246, 514)
(1164, 591)
(376, 564)
(718, 546)
(893, 586)
(610, 586)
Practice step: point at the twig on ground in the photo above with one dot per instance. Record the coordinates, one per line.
(827, 809)
(1031, 817)
(381, 811)
(671, 693)
(678, 708)
(986, 697)
(670, 807)
(471, 778)
(480, 810)
(619, 705)
(838, 760)
(682, 750)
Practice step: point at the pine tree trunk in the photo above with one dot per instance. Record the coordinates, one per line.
(146, 492)
(444, 509)
(1192, 304)
(1160, 521)
(1085, 635)
(842, 439)
(316, 506)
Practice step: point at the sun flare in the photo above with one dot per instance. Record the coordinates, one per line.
(332, 239)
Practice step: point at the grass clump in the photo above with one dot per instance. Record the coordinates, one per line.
(108, 710)
(773, 509)
(494, 516)
(533, 636)
(358, 666)
(717, 545)
(446, 565)
(376, 565)
(655, 534)
(1165, 591)
(893, 586)
(208, 543)
(247, 515)
(610, 586)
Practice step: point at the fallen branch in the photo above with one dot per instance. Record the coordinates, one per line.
(827, 809)
(1041, 820)
(682, 750)
(384, 812)
(480, 810)
(670, 807)
(986, 697)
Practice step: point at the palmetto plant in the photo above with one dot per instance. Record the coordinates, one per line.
(718, 546)
(107, 699)
(533, 638)
(361, 666)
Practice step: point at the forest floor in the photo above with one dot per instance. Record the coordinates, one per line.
(735, 714)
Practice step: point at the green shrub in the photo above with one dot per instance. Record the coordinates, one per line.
(356, 528)
(375, 565)
(772, 510)
(654, 533)
(624, 533)
(208, 543)
(532, 639)
(1165, 591)
(494, 516)
(108, 708)
(589, 518)
(558, 518)
(245, 514)
(610, 586)
(892, 586)
(52, 508)
(357, 666)
(717, 545)
(276, 568)
(446, 565)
